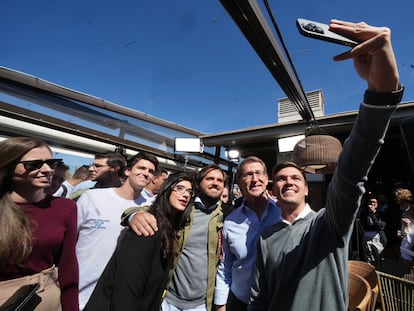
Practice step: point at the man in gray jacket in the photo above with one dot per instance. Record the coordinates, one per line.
(302, 260)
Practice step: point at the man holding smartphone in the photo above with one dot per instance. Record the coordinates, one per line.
(302, 260)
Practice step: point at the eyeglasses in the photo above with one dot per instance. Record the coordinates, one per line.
(33, 165)
(98, 166)
(249, 175)
(180, 189)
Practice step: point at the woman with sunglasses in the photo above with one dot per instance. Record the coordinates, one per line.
(37, 231)
(137, 274)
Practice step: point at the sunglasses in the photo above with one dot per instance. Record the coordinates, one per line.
(33, 165)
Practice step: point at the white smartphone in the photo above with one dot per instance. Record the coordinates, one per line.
(321, 31)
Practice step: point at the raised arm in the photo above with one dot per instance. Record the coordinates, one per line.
(373, 58)
(375, 62)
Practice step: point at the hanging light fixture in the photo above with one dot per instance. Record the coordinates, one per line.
(317, 153)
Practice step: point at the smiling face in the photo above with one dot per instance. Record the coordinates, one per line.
(140, 174)
(252, 180)
(211, 186)
(33, 179)
(290, 188)
(181, 195)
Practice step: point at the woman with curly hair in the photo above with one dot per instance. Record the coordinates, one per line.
(404, 198)
(37, 231)
(137, 274)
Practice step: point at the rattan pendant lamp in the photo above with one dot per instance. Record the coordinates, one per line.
(318, 152)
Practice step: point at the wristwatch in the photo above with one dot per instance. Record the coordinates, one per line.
(384, 99)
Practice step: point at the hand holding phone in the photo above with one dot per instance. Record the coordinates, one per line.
(321, 31)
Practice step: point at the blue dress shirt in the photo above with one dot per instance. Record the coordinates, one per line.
(240, 232)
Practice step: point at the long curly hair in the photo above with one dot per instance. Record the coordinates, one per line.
(15, 232)
(170, 222)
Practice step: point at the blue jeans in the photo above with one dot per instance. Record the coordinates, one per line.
(168, 307)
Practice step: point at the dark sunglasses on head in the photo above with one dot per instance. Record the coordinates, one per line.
(33, 165)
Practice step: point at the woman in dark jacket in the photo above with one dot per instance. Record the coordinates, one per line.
(136, 275)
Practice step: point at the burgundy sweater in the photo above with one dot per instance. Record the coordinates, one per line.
(54, 223)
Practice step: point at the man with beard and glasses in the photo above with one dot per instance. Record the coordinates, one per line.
(193, 274)
(107, 170)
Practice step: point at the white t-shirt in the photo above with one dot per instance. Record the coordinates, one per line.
(99, 217)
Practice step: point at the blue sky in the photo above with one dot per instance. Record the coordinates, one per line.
(185, 60)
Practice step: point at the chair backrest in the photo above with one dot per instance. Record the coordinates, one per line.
(366, 271)
(359, 293)
(397, 294)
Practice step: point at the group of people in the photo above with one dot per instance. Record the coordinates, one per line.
(184, 249)
(64, 244)
(388, 226)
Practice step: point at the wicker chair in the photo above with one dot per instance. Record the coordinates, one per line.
(367, 272)
(397, 294)
(359, 293)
